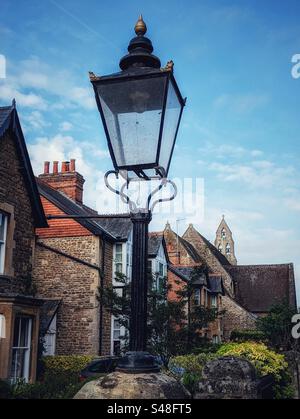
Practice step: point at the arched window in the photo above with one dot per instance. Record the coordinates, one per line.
(220, 248)
(223, 233)
(228, 249)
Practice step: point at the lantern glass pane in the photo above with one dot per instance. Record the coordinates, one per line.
(172, 115)
(132, 110)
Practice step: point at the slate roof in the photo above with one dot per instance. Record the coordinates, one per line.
(9, 120)
(154, 243)
(120, 228)
(70, 207)
(258, 287)
(187, 272)
(221, 258)
(47, 312)
(216, 284)
(191, 250)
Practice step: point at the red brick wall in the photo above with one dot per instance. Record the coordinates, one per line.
(60, 228)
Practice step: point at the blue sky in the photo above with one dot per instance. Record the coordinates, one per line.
(240, 130)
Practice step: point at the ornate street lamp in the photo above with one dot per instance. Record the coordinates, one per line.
(141, 108)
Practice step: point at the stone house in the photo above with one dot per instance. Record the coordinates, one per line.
(249, 291)
(20, 213)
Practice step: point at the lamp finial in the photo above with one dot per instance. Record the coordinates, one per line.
(140, 27)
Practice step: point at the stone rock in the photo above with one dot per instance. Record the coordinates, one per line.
(119, 385)
(228, 378)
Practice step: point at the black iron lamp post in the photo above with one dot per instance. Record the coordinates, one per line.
(141, 108)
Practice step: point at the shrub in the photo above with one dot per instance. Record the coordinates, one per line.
(264, 360)
(247, 335)
(66, 363)
(189, 368)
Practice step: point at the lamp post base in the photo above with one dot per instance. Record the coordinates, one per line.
(138, 362)
(119, 385)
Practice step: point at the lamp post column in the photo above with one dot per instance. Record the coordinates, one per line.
(139, 284)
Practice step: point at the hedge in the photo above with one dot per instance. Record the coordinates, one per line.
(66, 363)
(247, 335)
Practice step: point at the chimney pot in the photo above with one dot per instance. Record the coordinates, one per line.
(55, 167)
(64, 167)
(46, 168)
(73, 165)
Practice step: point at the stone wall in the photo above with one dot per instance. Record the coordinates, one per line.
(57, 276)
(228, 378)
(106, 322)
(14, 199)
(235, 317)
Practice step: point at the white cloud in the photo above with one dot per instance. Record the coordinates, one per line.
(226, 151)
(35, 121)
(241, 103)
(65, 126)
(32, 78)
(255, 174)
(293, 204)
(28, 100)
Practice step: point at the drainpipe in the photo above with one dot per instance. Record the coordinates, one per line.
(102, 274)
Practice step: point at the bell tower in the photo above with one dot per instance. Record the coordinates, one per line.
(224, 241)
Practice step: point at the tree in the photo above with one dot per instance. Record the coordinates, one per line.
(174, 327)
(277, 327)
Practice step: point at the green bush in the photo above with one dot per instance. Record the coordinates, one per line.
(55, 385)
(264, 360)
(189, 368)
(66, 363)
(247, 335)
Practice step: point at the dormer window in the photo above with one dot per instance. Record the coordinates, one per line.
(223, 233)
(3, 235)
(228, 249)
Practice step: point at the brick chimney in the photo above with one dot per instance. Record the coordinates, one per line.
(67, 180)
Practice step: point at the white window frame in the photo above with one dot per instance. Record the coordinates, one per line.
(197, 296)
(50, 338)
(4, 220)
(17, 349)
(214, 301)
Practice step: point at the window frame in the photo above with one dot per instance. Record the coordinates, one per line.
(26, 362)
(3, 243)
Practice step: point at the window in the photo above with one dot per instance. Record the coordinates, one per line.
(2, 327)
(116, 337)
(161, 269)
(119, 258)
(3, 232)
(214, 301)
(50, 339)
(21, 348)
(220, 248)
(223, 233)
(129, 257)
(228, 249)
(197, 297)
(215, 339)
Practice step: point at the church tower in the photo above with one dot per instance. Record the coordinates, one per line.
(224, 241)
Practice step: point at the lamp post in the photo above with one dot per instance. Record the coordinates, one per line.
(141, 108)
